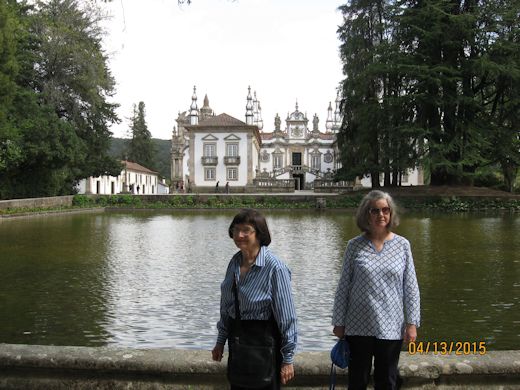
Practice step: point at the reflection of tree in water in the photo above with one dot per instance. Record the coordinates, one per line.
(53, 280)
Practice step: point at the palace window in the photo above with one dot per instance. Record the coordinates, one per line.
(231, 150)
(210, 154)
(232, 157)
(277, 161)
(232, 173)
(210, 150)
(316, 161)
(209, 174)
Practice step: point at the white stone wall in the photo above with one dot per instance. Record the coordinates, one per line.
(111, 185)
(102, 185)
(414, 178)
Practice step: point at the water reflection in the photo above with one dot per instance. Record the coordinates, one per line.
(152, 279)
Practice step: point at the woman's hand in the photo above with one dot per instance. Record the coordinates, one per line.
(410, 333)
(217, 352)
(339, 331)
(286, 373)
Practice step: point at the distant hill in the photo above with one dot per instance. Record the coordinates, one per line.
(162, 154)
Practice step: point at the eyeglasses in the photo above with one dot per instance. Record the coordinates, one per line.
(376, 210)
(246, 231)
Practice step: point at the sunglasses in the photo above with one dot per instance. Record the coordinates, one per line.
(376, 210)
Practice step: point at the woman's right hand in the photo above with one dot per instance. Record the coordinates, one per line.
(218, 352)
(339, 331)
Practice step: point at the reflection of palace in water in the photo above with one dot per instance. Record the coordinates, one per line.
(216, 151)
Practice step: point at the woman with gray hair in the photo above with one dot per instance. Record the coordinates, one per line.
(377, 303)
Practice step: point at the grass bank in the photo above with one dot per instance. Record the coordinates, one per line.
(410, 199)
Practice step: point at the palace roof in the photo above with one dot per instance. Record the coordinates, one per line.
(222, 120)
(132, 166)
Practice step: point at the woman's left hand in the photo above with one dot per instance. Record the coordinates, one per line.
(286, 373)
(410, 333)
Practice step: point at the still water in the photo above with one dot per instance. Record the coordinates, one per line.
(152, 279)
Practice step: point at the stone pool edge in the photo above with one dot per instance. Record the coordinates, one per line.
(69, 367)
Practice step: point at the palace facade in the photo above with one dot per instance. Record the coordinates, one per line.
(209, 149)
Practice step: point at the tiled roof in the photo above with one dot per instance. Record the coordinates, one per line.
(136, 167)
(222, 120)
(326, 136)
(323, 136)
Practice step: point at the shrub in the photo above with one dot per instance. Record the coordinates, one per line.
(81, 201)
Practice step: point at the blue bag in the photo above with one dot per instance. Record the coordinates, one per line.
(339, 355)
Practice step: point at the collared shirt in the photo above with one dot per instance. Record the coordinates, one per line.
(377, 293)
(265, 289)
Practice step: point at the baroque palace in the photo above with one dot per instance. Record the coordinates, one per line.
(209, 149)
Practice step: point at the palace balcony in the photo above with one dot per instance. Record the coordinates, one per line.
(232, 160)
(299, 168)
(209, 160)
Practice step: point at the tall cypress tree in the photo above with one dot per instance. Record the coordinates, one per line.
(375, 136)
(140, 147)
(359, 137)
(431, 81)
(498, 90)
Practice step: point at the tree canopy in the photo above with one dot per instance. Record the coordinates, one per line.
(54, 90)
(431, 83)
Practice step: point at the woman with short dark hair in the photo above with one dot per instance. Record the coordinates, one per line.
(377, 303)
(256, 300)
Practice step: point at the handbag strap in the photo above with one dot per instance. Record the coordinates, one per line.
(237, 306)
(332, 378)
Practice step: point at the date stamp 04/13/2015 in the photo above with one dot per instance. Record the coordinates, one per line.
(460, 348)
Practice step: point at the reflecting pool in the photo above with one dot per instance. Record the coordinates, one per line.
(152, 279)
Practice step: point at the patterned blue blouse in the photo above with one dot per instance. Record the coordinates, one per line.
(265, 289)
(377, 293)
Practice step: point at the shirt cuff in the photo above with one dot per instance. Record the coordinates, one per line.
(288, 358)
(221, 338)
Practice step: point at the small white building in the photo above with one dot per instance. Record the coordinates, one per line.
(163, 188)
(412, 177)
(134, 178)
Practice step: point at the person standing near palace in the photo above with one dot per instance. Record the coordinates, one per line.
(261, 285)
(377, 303)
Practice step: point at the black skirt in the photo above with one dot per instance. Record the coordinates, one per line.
(259, 332)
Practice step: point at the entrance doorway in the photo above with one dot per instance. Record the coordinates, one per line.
(299, 182)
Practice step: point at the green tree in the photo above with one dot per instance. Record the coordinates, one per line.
(54, 85)
(433, 82)
(499, 81)
(375, 136)
(438, 41)
(140, 147)
(10, 148)
(74, 78)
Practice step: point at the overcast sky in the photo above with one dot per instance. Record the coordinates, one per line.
(286, 50)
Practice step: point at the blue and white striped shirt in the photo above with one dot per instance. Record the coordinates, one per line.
(265, 289)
